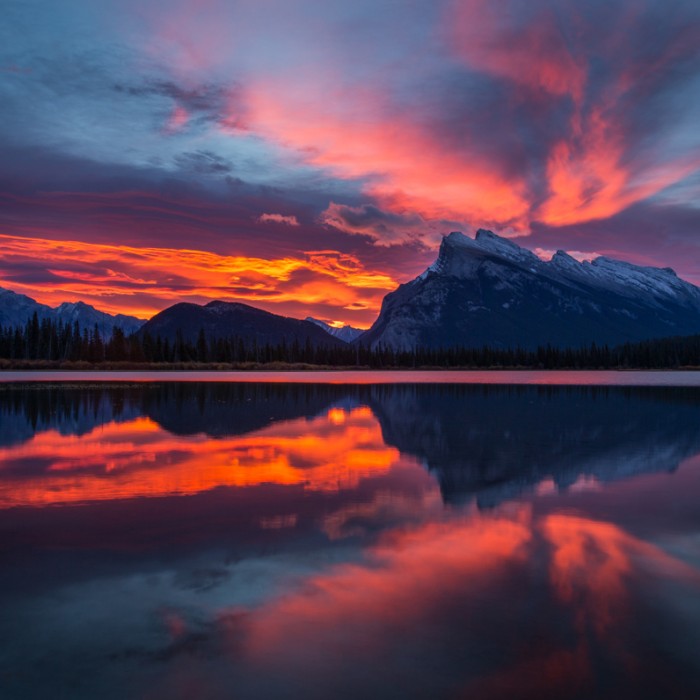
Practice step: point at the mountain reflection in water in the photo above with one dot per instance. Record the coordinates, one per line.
(271, 540)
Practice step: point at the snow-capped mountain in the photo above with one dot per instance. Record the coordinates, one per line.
(489, 291)
(344, 333)
(17, 309)
(88, 316)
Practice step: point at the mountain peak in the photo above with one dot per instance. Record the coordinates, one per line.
(219, 304)
(484, 234)
(460, 255)
(457, 238)
(504, 247)
(67, 305)
(562, 260)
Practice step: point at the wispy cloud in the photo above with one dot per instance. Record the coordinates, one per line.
(288, 220)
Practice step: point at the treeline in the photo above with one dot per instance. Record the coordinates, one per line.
(56, 342)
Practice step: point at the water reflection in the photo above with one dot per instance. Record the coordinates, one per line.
(259, 540)
(138, 458)
(68, 445)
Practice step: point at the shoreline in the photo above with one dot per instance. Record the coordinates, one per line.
(521, 377)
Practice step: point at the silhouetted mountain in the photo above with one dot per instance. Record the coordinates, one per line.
(220, 319)
(489, 291)
(345, 333)
(17, 309)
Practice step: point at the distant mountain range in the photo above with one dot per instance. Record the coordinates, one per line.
(489, 291)
(17, 309)
(345, 333)
(483, 291)
(221, 319)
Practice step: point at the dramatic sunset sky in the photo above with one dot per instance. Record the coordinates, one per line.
(306, 156)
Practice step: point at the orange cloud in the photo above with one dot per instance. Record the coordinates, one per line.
(589, 179)
(141, 281)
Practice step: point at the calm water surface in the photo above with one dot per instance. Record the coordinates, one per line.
(279, 540)
(546, 377)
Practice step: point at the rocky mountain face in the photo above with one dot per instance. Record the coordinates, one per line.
(221, 319)
(345, 333)
(17, 309)
(490, 291)
(88, 316)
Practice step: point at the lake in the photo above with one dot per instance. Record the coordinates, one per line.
(523, 536)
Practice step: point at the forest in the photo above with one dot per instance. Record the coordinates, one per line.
(49, 343)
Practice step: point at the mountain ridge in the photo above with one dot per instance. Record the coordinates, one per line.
(488, 290)
(223, 319)
(481, 291)
(16, 309)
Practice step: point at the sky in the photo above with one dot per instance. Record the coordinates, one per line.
(306, 156)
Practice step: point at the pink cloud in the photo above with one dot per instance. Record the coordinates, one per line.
(178, 120)
(288, 220)
(590, 173)
(406, 168)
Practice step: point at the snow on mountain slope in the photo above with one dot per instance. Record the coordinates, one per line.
(17, 309)
(489, 291)
(345, 333)
(624, 277)
(89, 317)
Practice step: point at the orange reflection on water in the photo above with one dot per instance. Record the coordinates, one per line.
(589, 565)
(592, 562)
(138, 459)
(407, 577)
(465, 576)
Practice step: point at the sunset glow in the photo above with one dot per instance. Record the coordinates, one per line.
(122, 279)
(308, 157)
